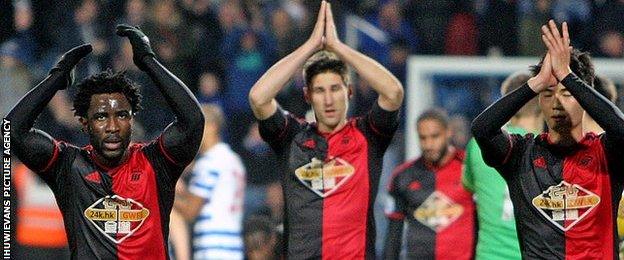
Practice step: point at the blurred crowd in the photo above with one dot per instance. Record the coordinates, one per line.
(219, 48)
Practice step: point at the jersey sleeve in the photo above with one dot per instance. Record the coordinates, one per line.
(167, 169)
(395, 207)
(381, 122)
(203, 181)
(279, 129)
(467, 171)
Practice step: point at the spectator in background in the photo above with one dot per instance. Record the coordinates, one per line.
(231, 15)
(532, 15)
(430, 20)
(248, 54)
(85, 27)
(24, 34)
(15, 78)
(608, 29)
(206, 31)
(209, 89)
(215, 194)
(171, 38)
(285, 33)
(427, 198)
(497, 27)
(611, 45)
(461, 34)
(135, 13)
(497, 237)
(389, 19)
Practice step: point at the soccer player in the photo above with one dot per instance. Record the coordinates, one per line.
(334, 164)
(564, 185)
(216, 190)
(428, 196)
(497, 236)
(115, 196)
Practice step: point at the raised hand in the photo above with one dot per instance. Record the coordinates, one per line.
(139, 41)
(559, 48)
(331, 36)
(545, 78)
(69, 60)
(317, 38)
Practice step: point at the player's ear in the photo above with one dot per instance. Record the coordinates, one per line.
(350, 90)
(306, 95)
(83, 122)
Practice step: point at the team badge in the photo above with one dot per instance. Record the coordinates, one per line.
(438, 211)
(323, 178)
(117, 218)
(565, 204)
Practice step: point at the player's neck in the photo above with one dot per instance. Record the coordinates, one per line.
(566, 138)
(325, 129)
(449, 152)
(110, 163)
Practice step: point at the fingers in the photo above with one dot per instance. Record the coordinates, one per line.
(320, 20)
(124, 29)
(546, 65)
(566, 34)
(330, 26)
(78, 52)
(554, 30)
(548, 38)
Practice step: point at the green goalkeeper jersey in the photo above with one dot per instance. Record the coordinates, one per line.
(497, 228)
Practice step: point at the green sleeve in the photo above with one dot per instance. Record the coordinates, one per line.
(467, 172)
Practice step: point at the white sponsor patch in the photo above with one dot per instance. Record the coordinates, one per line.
(325, 178)
(565, 204)
(438, 211)
(116, 217)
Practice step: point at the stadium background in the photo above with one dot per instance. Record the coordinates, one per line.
(219, 48)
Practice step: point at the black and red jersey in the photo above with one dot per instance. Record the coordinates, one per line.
(118, 213)
(438, 211)
(565, 196)
(565, 199)
(331, 183)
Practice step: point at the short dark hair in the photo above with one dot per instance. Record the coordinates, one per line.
(106, 82)
(580, 63)
(324, 61)
(605, 87)
(436, 114)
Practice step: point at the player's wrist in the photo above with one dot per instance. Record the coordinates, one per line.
(562, 74)
(536, 84)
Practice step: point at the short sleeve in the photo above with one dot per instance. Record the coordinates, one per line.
(279, 129)
(203, 182)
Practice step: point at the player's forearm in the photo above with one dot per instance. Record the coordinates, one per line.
(269, 85)
(181, 100)
(488, 124)
(388, 87)
(603, 111)
(392, 247)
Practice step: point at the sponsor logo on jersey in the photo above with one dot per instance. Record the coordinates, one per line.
(565, 204)
(116, 217)
(438, 211)
(324, 178)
